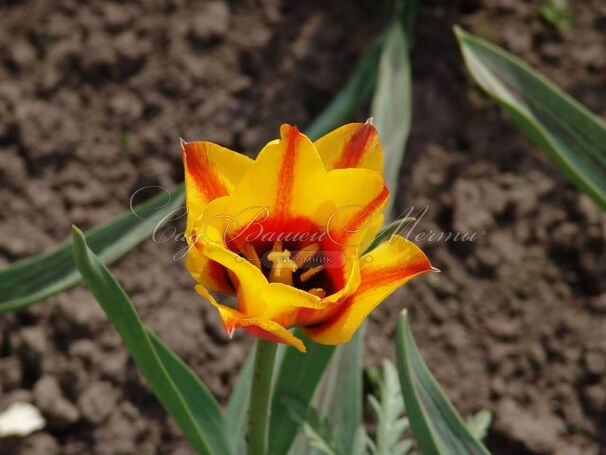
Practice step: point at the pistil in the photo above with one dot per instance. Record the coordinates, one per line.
(282, 265)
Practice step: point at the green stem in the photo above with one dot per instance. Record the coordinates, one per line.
(260, 397)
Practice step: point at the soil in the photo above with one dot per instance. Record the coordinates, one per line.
(92, 100)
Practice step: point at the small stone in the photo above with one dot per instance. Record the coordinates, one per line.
(595, 397)
(470, 210)
(97, 401)
(113, 365)
(85, 350)
(210, 23)
(595, 362)
(58, 411)
(598, 303)
(537, 353)
(39, 443)
(22, 53)
(33, 346)
(78, 313)
(126, 106)
(10, 373)
(536, 428)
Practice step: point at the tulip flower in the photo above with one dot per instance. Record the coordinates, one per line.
(286, 234)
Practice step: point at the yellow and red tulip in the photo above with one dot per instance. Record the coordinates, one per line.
(285, 233)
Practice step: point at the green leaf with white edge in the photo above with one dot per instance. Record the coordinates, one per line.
(571, 135)
(297, 378)
(236, 415)
(392, 105)
(33, 279)
(479, 423)
(436, 425)
(181, 393)
(361, 85)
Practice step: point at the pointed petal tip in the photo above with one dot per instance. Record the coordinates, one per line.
(370, 121)
(230, 329)
(435, 269)
(182, 142)
(301, 347)
(287, 129)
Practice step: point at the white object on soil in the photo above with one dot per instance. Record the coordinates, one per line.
(20, 419)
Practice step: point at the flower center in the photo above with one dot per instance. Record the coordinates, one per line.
(304, 269)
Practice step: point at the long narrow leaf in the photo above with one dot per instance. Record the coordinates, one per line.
(572, 136)
(298, 377)
(407, 12)
(183, 396)
(392, 105)
(42, 276)
(436, 425)
(340, 396)
(237, 408)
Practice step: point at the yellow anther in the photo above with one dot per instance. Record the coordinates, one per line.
(319, 292)
(251, 255)
(310, 273)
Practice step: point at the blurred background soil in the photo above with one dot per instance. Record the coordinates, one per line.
(93, 96)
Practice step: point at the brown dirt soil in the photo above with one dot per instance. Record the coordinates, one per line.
(92, 99)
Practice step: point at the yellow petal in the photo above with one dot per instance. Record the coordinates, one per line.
(211, 171)
(280, 180)
(350, 146)
(359, 196)
(207, 272)
(200, 232)
(382, 271)
(262, 328)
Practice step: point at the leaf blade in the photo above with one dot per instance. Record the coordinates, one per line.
(572, 136)
(392, 104)
(297, 378)
(166, 375)
(342, 400)
(237, 407)
(436, 425)
(36, 278)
